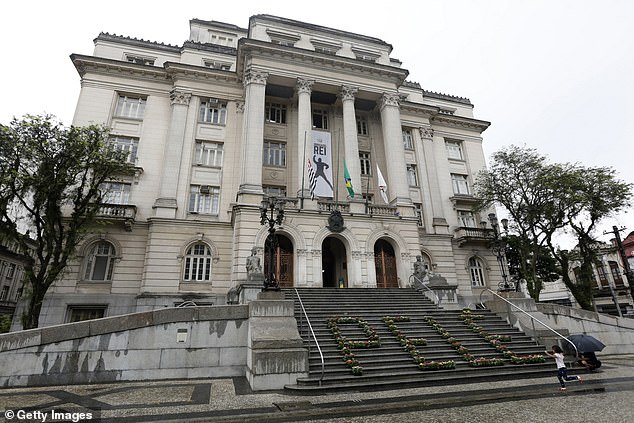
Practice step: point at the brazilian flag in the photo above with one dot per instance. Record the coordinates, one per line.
(346, 177)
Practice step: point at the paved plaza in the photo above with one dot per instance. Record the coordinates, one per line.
(605, 396)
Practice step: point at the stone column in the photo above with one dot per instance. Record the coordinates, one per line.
(166, 204)
(250, 190)
(351, 144)
(438, 220)
(397, 186)
(304, 128)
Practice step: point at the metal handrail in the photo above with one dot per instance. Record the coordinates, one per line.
(426, 287)
(321, 355)
(532, 317)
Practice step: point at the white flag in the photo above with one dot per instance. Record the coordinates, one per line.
(382, 185)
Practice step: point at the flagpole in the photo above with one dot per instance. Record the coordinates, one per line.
(338, 157)
(301, 189)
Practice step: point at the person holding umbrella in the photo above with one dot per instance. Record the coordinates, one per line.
(587, 345)
(562, 373)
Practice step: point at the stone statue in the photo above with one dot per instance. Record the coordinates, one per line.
(254, 268)
(420, 271)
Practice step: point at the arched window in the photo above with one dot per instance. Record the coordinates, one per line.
(100, 262)
(476, 272)
(426, 261)
(198, 263)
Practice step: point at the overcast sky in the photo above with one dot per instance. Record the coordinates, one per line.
(553, 75)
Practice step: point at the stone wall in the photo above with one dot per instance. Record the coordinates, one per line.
(194, 342)
(617, 333)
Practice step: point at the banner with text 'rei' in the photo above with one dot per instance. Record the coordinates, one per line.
(322, 163)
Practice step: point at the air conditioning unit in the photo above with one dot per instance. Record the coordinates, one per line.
(204, 189)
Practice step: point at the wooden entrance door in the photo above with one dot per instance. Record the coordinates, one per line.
(385, 265)
(283, 262)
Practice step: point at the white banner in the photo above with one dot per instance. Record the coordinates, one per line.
(322, 163)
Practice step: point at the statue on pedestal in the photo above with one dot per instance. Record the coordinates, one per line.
(254, 268)
(420, 270)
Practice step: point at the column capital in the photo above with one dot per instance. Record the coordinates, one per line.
(255, 76)
(426, 133)
(390, 99)
(348, 92)
(180, 97)
(304, 85)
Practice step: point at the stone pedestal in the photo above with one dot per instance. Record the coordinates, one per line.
(275, 352)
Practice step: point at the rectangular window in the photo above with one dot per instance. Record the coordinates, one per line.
(275, 112)
(454, 150)
(130, 107)
(616, 274)
(127, 144)
(320, 119)
(213, 111)
(116, 193)
(459, 183)
(367, 198)
(466, 219)
(418, 211)
(412, 177)
(274, 154)
(81, 313)
(408, 139)
(274, 191)
(204, 199)
(4, 293)
(366, 165)
(603, 278)
(362, 125)
(139, 60)
(11, 271)
(209, 154)
(217, 65)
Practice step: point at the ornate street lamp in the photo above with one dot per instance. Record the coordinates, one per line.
(498, 245)
(271, 213)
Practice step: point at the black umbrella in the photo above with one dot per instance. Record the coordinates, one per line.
(586, 343)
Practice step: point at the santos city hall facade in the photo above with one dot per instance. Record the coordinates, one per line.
(235, 116)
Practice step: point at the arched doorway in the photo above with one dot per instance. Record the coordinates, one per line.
(334, 266)
(385, 265)
(283, 261)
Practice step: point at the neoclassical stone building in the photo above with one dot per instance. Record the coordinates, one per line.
(231, 117)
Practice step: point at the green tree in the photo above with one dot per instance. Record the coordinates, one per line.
(544, 200)
(51, 180)
(546, 269)
(585, 196)
(520, 180)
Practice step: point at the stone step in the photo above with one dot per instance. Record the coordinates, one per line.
(389, 364)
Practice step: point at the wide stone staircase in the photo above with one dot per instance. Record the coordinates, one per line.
(390, 365)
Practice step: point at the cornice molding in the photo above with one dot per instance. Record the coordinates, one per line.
(169, 71)
(85, 64)
(104, 36)
(200, 73)
(460, 122)
(249, 47)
